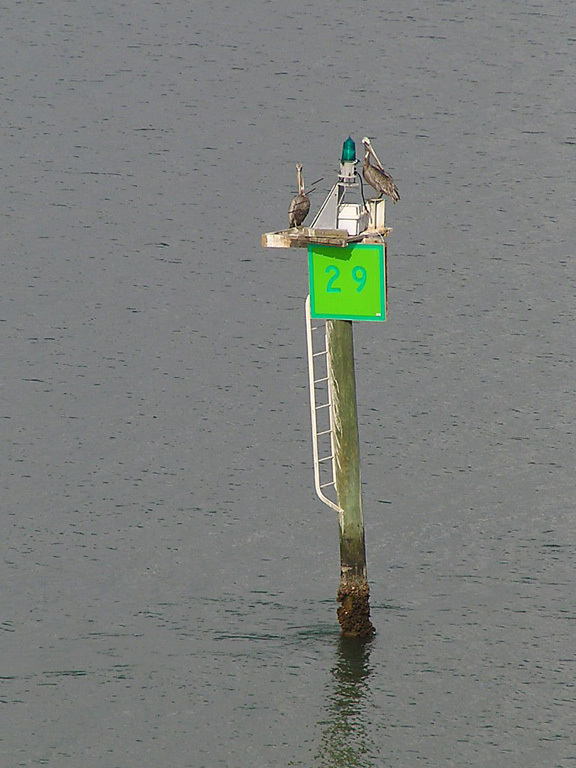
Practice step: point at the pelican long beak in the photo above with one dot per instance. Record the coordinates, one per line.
(375, 156)
(370, 151)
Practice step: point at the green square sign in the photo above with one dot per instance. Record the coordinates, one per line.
(347, 283)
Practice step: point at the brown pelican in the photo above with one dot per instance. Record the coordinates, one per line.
(376, 176)
(300, 204)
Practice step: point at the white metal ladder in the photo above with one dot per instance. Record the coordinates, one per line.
(321, 414)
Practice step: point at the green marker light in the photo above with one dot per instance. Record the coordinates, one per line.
(348, 151)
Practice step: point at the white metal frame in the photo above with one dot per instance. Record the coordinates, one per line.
(320, 437)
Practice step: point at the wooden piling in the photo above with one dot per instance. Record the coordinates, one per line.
(353, 592)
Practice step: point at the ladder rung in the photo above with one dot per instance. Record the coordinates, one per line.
(317, 354)
(319, 381)
(325, 485)
(326, 405)
(326, 458)
(325, 432)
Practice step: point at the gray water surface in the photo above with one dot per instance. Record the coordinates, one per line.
(168, 575)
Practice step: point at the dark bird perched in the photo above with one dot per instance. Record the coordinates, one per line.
(300, 204)
(376, 176)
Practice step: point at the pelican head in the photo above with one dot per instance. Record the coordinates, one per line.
(367, 145)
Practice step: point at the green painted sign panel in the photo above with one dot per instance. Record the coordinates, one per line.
(347, 283)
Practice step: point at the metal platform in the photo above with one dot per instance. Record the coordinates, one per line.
(300, 237)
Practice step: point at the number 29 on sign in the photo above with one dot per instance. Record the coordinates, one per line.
(358, 275)
(347, 283)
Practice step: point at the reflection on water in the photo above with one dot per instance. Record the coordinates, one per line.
(345, 741)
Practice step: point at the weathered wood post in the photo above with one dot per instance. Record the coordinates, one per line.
(353, 592)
